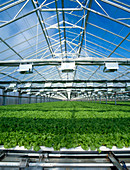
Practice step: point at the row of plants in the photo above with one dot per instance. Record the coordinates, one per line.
(65, 124)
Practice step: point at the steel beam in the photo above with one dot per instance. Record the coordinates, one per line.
(11, 48)
(67, 81)
(85, 26)
(116, 5)
(11, 5)
(119, 2)
(105, 16)
(115, 161)
(107, 31)
(18, 18)
(10, 76)
(78, 61)
(119, 44)
(73, 88)
(16, 54)
(58, 25)
(60, 9)
(45, 33)
(64, 27)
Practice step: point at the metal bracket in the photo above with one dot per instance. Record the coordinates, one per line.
(24, 163)
(116, 162)
(2, 155)
(124, 165)
(46, 156)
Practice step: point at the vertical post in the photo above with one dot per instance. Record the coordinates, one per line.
(29, 98)
(43, 98)
(4, 97)
(106, 99)
(40, 99)
(36, 99)
(19, 97)
(115, 98)
(100, 99)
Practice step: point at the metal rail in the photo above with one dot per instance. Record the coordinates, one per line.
(47, 159)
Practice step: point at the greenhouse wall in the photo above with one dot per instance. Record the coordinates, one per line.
(12, 98)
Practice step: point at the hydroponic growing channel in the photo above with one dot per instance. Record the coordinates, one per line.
(65, 124)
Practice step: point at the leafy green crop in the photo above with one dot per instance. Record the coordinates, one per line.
(65, 124)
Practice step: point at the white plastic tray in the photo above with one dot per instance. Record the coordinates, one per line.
(43, 148)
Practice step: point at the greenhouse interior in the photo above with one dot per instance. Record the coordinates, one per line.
(64, 84)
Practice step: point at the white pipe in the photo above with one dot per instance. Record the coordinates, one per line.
(11, 5)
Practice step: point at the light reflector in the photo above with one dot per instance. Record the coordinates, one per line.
(111, 67)
(25, 68)
(68, 67)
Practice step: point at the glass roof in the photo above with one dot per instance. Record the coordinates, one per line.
(47, 33)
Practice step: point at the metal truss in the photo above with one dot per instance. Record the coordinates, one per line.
(73, 37)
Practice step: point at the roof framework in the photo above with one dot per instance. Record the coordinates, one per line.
(45, 34)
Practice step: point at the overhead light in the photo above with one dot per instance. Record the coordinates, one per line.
(28, 92)
(89, 84)
(110, 89)
(47, 85)
(37, 93)
(67, 66)
(111, 67)
(15, 90)
(68, 84)
(122, 89)
(27, 85)
(82, 90)
(89, 92)
(25, 68)
(109, 84)
(12, 85)
(41, 90)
